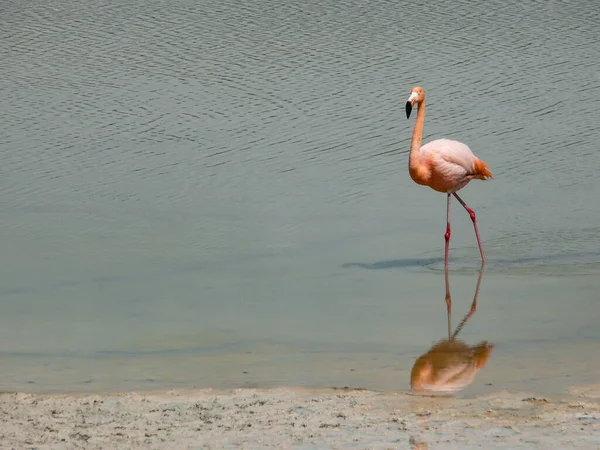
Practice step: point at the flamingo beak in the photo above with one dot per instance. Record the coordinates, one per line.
(409, 104)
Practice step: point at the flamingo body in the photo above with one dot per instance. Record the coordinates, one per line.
(449, 166)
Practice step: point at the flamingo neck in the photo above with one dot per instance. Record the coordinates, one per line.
(414, 165)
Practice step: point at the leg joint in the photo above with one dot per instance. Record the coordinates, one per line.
(472, 214)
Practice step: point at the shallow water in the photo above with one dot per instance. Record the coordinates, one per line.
(205, 194)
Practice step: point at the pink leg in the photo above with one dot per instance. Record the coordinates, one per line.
(474, 219)
(448, 303)
(447, 235)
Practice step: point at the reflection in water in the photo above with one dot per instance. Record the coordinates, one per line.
(418, 445)
(451, 365)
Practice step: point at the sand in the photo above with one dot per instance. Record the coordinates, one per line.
(299, 418)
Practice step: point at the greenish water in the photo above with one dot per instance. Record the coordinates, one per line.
(210, 194)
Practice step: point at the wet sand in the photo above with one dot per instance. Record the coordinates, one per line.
(300, 418)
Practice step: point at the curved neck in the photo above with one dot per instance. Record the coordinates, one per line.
(415, 144)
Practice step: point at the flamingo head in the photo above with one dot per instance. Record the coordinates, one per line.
(417, 95)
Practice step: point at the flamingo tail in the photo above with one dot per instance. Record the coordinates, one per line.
(481, 170)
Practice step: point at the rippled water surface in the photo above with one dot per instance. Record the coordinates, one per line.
(216, 193)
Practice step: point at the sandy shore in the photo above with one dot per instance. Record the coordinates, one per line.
(299, 418)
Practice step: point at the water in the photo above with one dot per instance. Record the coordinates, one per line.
(216, 194)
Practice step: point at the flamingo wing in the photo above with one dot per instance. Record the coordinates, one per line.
(445, 152)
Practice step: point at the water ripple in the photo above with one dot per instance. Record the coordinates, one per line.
(193, 132)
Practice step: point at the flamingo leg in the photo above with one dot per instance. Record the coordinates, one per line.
(447, 235)
(474, 219)
(448, 303)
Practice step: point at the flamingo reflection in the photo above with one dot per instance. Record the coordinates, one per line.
(451, 365)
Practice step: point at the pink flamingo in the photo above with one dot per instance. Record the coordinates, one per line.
(443, 165)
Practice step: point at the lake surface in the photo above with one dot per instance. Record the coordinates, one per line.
(216, 193)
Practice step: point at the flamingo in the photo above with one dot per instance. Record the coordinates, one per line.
(443, 165)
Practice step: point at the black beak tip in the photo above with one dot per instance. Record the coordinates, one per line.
(408, 109)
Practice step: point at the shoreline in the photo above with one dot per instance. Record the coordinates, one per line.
(285, 417)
